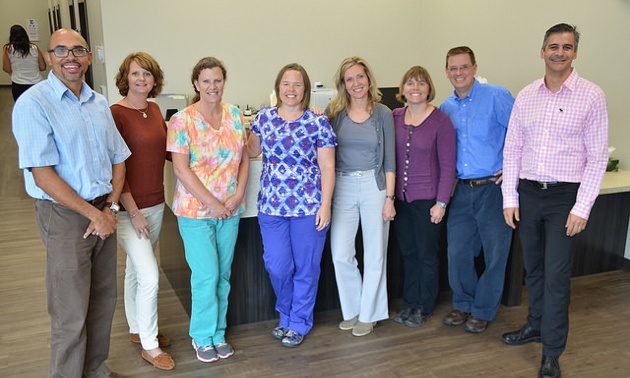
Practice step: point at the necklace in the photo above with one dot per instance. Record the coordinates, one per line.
(144, 113)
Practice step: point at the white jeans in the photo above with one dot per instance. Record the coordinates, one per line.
(354, 199)
(141, 274)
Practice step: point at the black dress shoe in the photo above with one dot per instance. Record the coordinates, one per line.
(549, 368)
(522, 336)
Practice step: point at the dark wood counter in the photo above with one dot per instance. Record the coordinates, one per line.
(599, 249)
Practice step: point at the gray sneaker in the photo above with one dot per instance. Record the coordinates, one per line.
(362, 329)
(416, 319)
(224, 350)
(205, 353)
(279, 332)
(292, 339)
(349, 324)
(402, 316)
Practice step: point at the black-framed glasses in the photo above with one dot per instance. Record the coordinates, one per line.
(62, 51)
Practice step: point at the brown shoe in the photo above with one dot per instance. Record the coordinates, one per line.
(455, 318)
(163, 361)
(163, 341)
(476, 325)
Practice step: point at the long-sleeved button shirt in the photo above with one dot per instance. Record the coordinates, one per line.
(559, 136)
(480, 120)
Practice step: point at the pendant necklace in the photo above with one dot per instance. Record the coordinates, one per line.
(144, 114)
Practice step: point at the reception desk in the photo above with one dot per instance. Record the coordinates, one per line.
(599, 248)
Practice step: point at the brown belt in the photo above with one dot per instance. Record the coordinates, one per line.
(98, 200)
(480, 181)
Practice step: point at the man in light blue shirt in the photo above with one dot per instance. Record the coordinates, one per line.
(480, 114)
(74, 165)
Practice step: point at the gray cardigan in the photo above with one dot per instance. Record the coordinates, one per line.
(386, 140)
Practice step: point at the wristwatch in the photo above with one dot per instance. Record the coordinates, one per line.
(441, 204)
(113, 206)
(391, 197)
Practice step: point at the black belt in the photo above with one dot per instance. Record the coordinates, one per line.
(480, 181)
(98, 200)
(544, 185)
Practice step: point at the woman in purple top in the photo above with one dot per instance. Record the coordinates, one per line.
(425, 172)
(296, 186)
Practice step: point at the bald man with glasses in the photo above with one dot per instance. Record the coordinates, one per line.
(73, 159)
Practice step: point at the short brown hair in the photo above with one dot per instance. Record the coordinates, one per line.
(418, 73)
(306, 100)
(461, 50)
(148, 63)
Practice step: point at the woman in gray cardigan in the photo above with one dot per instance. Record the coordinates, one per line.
(364, 192)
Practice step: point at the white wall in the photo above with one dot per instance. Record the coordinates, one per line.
(17, 12)
(256, 38)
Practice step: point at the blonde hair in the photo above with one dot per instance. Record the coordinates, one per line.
(342, 99)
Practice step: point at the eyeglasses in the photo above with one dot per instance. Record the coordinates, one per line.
(463, 68)
(62, 51)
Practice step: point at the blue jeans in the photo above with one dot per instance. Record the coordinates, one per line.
(475, 221)
(418, 241)
(293, 256)
(209, 248)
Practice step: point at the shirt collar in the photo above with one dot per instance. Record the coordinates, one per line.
(60, 88)
(570, 83)
(470, 94)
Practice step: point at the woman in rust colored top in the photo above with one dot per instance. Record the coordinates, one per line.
(141, 124)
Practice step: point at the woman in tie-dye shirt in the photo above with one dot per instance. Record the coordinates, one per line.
(207, 141)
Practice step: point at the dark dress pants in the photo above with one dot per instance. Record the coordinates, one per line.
(418, 241)
(547, 254)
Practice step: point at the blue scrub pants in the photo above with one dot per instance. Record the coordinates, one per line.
(292, 255)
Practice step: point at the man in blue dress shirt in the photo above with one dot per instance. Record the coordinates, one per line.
(480, 114)
(73, 159)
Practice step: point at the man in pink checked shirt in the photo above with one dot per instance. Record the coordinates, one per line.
(555, 157)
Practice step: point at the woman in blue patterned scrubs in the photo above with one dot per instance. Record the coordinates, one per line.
(296, 186)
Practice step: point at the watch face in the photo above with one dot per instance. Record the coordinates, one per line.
(114, 207)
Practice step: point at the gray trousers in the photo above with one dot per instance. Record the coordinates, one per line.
(81, 292)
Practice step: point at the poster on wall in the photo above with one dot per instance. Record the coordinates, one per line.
(32, 28)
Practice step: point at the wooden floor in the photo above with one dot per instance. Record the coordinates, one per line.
(598, 346)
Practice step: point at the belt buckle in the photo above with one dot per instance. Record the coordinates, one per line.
(543, 185)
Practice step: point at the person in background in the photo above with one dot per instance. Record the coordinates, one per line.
(425, 173)
(22, 60)
(207, 142)
(556, 153)
(141, 124)
(480, 114)
(74, 166)
(364, 192)
(294, 202)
